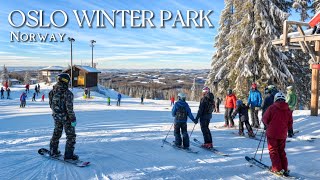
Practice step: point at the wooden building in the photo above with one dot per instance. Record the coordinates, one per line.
(84, 76)
(308, 43)
(50, 73)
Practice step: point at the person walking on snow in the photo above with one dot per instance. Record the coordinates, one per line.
(36, 90)
(181, 111)
(230, 104)
(172, 100)
(61, 103)
(27, 88)
(8, 93)
(42, 98)
(39, 88)
(278, 120)
(109, 101)
(242, 109)
(23, 99)
(142, 97)
(206, 108)
(291, 99)
(218, 102)
(2, 93)
(254, 102)
(119, 99)
(34, 96)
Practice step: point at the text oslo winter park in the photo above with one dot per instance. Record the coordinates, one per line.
(101, 19)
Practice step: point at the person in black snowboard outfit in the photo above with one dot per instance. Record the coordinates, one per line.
(242, 109)
(181, 111)
(61, 103)
(206, 108)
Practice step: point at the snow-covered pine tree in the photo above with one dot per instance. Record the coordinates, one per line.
(4, 74)
(27, 77)
(250, 56)
(302, 7)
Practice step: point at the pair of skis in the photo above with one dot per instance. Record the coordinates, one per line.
(197, 143)
(263, 166)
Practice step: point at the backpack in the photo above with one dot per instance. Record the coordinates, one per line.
(57, 101)
(210, 105)
(181, 113)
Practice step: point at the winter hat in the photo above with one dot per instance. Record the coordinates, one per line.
(229, 91)
(254, 86)
(279, 96)
(182, 96)
(205, 89)
(239, 102)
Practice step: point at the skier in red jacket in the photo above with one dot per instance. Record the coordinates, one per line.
(278, 120)
(230, 104)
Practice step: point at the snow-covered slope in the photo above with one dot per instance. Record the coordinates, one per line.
(125, 143)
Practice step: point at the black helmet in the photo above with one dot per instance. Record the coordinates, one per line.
(229, 91)
(64, 77)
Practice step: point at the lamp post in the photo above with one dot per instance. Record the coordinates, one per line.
(92, 45)
(71, 70)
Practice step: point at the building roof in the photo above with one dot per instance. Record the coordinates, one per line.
(86, 68)
(52, 68)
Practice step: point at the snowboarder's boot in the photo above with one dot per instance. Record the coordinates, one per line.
(55, 153)
(71, 157)
(251, 134)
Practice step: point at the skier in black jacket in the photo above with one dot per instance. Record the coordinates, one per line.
(206, 108)
(242, 109)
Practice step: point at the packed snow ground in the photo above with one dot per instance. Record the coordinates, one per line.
(125, 143)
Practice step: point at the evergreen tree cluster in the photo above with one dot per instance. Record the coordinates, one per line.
(245, 54)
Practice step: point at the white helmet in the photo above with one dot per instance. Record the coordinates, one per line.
(279, 96)
(182, 96)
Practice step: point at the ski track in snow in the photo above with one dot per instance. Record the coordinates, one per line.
(125, 143)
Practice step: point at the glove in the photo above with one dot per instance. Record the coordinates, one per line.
(74, 123)
(195, 121)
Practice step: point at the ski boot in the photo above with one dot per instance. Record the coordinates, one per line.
(207, 145)
(225, 125)
(241, 133)
(286, 173)
(231, 126)
(251, 134)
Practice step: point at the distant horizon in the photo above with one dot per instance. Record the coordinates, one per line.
(138, 48)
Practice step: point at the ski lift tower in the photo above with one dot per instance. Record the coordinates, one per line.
(308, 43)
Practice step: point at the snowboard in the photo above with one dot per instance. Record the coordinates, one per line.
(45, 152)
(179, 148)
(214, 150)
(263, 166)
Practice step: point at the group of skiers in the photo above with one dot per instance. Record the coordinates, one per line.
(23, 97)
(277, 119)
(8, 90)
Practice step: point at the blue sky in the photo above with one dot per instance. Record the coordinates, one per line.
(145, 48)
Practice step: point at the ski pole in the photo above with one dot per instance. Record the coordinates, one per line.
(192, 131)
(264, 142)
(167, 135)
(259, 144)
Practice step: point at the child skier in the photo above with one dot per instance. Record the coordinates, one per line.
(23, 99)
(181, 111)
(278, 120)
(242, 109)
(108, 100)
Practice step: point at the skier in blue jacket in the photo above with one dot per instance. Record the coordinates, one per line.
(119, 99)
(181, 111)
(254, 102)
